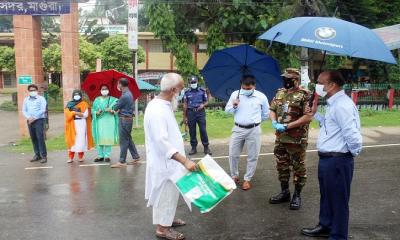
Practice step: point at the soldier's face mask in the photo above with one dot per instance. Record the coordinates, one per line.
(288, 83)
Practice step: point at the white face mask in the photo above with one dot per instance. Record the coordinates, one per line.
(33, 94)
(104, 92)
(246, 92)
(319, 89)
(77, 97)
(193, 85)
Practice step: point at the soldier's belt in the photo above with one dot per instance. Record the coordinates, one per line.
(247, 126)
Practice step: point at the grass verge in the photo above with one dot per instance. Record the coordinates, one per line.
(219, 125)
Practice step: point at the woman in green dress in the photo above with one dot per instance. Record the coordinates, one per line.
(104, 124)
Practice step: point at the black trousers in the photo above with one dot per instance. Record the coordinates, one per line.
(125, 139)
(36, 131)
(335, 175)
(199, 118)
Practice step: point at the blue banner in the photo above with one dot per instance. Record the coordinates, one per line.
(34, 7)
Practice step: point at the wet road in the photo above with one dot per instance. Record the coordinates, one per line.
(96, 202)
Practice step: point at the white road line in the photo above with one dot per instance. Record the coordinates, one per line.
(314, 150)
(35, 168)
(382, 145)
(216, 157)
(94, 164)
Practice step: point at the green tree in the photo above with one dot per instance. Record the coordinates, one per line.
(52, 58)
(162, 23)
(88, 53)
(115, 10)
(117, 55)
(93, 33)
(7, 59)
(6, 24)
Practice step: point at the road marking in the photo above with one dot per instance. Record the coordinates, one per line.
(314, 150)
(216, 157)
(382, 145)
(94, 164)
(35, 168)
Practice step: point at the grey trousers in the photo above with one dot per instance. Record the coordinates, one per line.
(252, 138)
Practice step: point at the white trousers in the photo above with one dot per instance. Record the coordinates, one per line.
(252, 138)
(164, 213)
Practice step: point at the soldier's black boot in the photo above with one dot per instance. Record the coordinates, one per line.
(193, 151)
(207, 150)
(283, 196)
(295, 204)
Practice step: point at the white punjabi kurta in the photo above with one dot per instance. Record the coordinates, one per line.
(81, 143)
(162, 140)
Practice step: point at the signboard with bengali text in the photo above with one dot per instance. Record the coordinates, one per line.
(34, 7)
(133, 24)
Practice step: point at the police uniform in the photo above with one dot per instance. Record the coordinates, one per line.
(194, 98)
(291, 144)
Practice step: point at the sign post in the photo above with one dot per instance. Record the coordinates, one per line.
(25, 80)
(133, 11)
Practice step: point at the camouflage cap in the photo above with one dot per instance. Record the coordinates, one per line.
(291, 73)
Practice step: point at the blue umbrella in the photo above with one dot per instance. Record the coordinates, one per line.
(226, 67)
(331, 35)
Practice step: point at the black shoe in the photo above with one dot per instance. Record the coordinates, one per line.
(207, 151)
(317, 231)
(282, 197)
(36, 158)
(193, 151)
(295, 204)
(44, 160)
(99, 160)
(107, 160)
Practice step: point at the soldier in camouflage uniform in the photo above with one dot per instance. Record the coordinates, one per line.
(291, 122)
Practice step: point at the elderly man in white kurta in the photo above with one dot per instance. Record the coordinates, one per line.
(165, 155)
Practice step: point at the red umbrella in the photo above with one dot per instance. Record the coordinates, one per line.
(95, 80)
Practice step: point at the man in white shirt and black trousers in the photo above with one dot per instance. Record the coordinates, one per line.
(249, 107)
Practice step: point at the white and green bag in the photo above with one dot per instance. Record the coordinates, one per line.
(206, 187)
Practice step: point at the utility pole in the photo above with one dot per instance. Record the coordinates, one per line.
(135, 75)
(133, 12)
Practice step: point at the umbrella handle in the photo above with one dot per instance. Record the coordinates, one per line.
(311, 101)
(270, 43)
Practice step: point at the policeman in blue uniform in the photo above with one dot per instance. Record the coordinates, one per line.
(195, 101)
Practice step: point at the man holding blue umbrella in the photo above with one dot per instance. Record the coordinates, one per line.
(249, 107)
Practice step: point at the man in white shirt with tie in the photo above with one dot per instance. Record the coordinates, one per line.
(249, 107)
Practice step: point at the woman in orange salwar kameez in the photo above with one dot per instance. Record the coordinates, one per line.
(78, 130)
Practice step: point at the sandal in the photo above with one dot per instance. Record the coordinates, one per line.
(70, 161)
(178, 223)
(171, 234)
